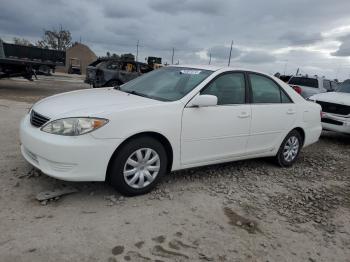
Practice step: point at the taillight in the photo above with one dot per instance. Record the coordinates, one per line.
(322, 114)
(297, 89)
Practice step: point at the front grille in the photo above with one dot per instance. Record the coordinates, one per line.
(334, 108)
(331, 121)
(38, 120)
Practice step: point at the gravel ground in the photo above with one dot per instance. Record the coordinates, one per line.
(242, 211)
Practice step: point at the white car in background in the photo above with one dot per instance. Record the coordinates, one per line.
(307, 86)
(335, 108)
(172, 118)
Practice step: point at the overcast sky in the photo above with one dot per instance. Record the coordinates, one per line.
(269, 35)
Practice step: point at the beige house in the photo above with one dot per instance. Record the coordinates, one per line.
(78, 54)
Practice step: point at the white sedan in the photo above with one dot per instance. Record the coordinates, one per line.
(169, 119)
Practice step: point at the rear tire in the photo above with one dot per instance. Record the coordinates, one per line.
(138, 166)
(290, 149)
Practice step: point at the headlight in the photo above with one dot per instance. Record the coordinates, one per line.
(73, 126)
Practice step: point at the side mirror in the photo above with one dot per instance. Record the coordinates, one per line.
(203, 101)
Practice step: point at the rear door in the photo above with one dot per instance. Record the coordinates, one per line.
(273, 114)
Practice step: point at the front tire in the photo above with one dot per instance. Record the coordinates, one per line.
(290, 149)
(138, 166)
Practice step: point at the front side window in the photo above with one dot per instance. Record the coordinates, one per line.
(264, 90)
(167, 83)
(229, 88)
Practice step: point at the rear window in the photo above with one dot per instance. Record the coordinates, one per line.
(304, 81)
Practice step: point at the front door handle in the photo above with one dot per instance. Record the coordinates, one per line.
(290, 111)
(244, 115)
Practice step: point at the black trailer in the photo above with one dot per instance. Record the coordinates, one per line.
(25, 61)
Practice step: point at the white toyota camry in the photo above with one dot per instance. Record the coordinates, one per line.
(172, 118)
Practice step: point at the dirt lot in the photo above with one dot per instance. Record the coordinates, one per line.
(242, 211)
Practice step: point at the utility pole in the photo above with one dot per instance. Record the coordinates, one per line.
(172, 57)
(229, 59)
(209, 58)
(137, 50)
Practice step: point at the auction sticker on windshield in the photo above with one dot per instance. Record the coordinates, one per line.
(191, 72)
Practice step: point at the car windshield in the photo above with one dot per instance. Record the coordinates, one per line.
(344, 87)
(167, 83)
(304, 81)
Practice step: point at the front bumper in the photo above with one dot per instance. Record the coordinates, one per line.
(336, 123)
(78, 158)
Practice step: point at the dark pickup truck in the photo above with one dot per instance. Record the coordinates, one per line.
(113, 72)
(25, 61)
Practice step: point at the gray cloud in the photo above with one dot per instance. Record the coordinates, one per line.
(223, 52)
(126, 10)
(301, 38)
(257, 57)
(344, 48)
(190, 6)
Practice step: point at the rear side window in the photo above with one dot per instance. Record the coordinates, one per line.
(266, 91)
(327, 85)
(304, 81)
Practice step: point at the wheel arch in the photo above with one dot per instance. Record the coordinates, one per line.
(161, 138)
(301, 132)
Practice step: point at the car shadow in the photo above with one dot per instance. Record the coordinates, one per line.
(334, 137)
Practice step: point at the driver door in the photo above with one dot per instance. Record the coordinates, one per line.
(217, 133)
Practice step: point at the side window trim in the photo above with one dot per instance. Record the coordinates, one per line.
(246, 89)
(268, 77)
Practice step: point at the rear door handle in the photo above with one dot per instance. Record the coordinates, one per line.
(290, 111)
(244, 115)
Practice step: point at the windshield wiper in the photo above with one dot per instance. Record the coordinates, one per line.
(133, 92)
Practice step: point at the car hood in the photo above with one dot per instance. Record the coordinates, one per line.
(90, 102)
(333, 97)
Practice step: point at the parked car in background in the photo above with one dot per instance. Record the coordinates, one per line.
(113, 72)
(172, 118)
(307, 86)
(335, 108)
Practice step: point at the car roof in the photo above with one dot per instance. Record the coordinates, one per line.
(203, 67)
(223, 68)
